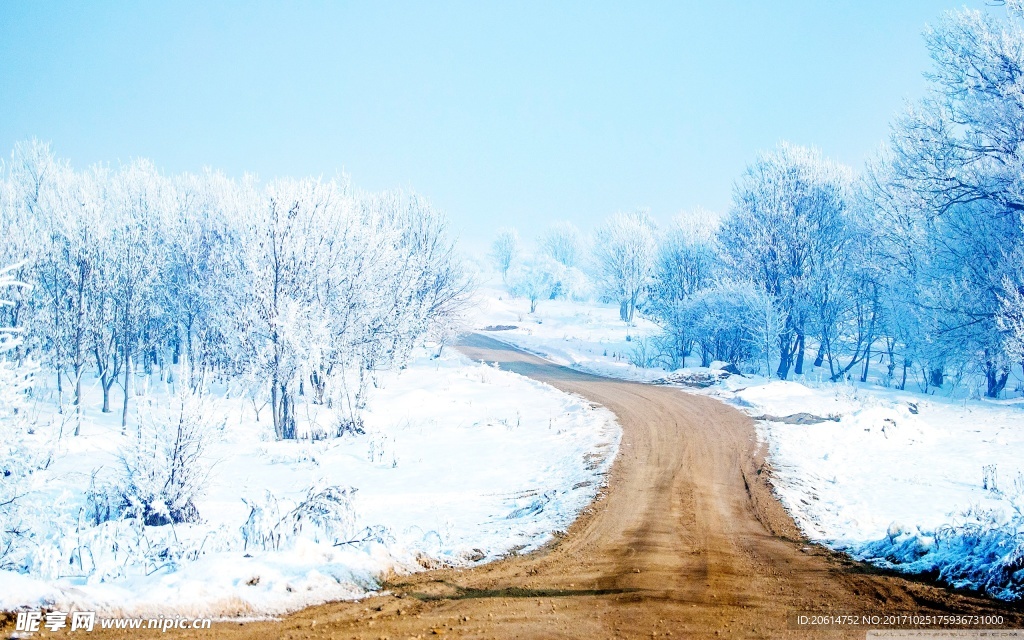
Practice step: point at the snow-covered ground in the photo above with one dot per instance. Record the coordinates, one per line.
(586, 336)
(900, 479)
(461, 463)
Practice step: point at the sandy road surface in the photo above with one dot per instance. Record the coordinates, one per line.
(686, 542)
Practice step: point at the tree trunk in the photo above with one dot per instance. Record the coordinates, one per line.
(624, 311)
(632, 306)
(127, 382)
(176, 355)
(995, 377)
(78, 385)
(785, 357)
(190, 354)
(867, 363)
(283, 411)
(275, 413)
(799, 368)
(78, 398)
(60, 391)
(287, 414)
(79, 339)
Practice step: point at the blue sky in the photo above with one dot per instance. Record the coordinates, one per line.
(516, 113)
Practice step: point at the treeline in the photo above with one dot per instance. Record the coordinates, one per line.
(298, 290)
(915, 265)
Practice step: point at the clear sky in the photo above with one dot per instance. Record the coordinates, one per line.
(512, 113)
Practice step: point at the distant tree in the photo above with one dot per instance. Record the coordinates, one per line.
(534, 280)
(625, 253)
(504, 250)
(563, 243)
(687, 263)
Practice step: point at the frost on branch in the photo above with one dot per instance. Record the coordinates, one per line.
(326, 515)
(163, 468)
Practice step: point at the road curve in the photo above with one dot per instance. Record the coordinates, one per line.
(686, 541)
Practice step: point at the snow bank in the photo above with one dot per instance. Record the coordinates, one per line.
(461, 463)
(915, 483)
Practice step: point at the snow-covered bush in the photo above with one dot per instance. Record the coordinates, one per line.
(163, 468)
(326, 515)
(732, 322)
(984, 550)
(722, 324)
(645, 353)
(125, 547)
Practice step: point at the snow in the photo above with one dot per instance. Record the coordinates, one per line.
(461, 463)
(899, 478)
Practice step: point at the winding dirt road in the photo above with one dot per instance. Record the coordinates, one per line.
(687, 541)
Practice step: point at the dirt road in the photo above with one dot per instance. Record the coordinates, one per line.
(687, 541)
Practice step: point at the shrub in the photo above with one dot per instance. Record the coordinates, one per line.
(163, 468)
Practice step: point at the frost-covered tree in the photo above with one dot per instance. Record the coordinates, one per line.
(504, 250)
(138, 196)
(201, 261)
(687, 263)
(298, 290)
(285, 245)
(69, 250)
(534, 280)
(335, 286)
(414, 287)
(563, 243)
(950, 192)
(787, 220)
(625, 253)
